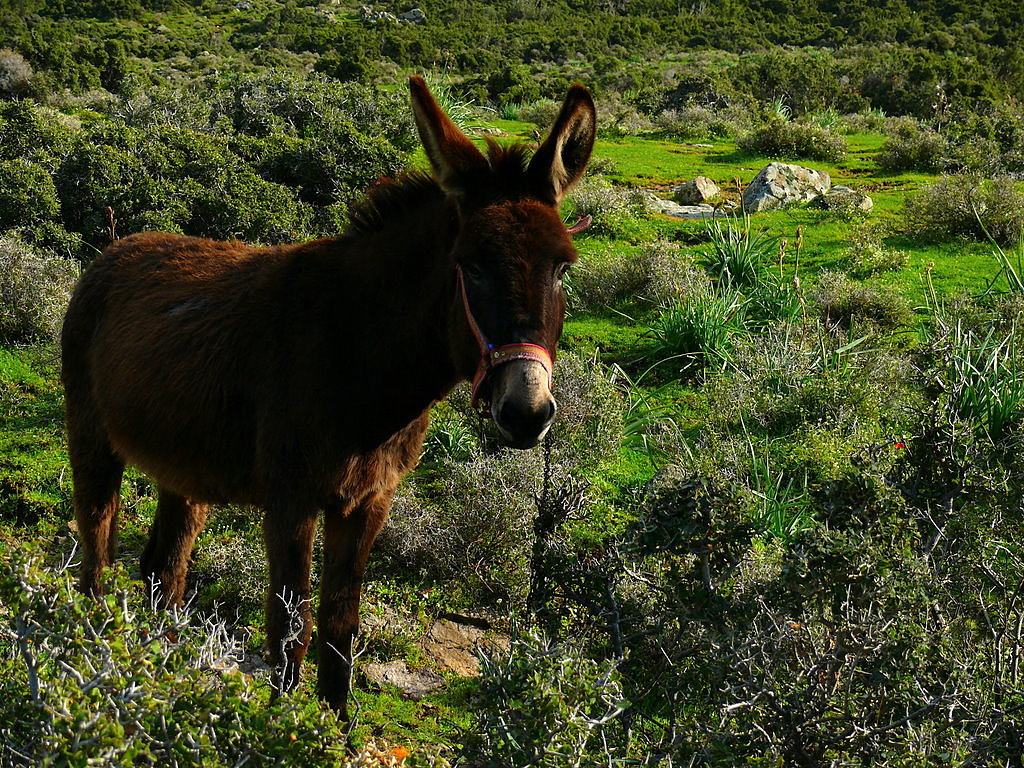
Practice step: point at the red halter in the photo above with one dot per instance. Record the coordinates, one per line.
(491, 357)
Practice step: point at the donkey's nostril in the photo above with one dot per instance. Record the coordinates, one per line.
(552, 410)
(525, 423)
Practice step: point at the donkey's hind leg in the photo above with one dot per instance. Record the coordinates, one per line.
(165, 560)
(96, 470)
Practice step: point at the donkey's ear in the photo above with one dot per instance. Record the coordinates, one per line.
(561, 159)
(452, 156)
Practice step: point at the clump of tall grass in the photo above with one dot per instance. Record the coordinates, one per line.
(698, 332)
(738, 255)
(984, 379)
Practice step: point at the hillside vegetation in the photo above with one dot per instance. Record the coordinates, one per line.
(780, 520)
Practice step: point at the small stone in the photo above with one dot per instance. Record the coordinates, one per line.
(412, 683)
(414, 16)
(841, 197)
(677, 211)
(695, 192)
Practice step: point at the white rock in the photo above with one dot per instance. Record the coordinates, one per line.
(782, 184)
(695, 192)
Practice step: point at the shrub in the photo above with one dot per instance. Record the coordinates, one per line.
(658, 273)
(115, 681)
(693, 122)
(669, 273)
(868, 121)
(36, 134)
(912, 146)
(613, 208)
(620, 118)
(541, 113)
(178, 180)
(544, 704)
(35, 287)
(466, 515)
(28, 197)
(15, 73)
(230, 570)
(588, 429)
(869, 255)
(780, 138)
(830, 392)
(967, 207)
(840, 300)
(604, 277)
(466, 523)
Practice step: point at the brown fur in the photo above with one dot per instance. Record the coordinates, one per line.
(299, 378)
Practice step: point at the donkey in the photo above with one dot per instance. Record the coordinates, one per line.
(299, 378)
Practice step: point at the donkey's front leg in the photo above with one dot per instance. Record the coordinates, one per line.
(289, 538)
(349, 533)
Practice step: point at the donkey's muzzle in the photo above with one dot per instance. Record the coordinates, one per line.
(521, 403)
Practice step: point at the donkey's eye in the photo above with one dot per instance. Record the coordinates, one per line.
(473, 271)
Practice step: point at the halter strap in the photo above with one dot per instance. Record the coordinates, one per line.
(491, 357)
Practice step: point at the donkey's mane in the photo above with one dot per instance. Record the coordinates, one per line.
(390, 198)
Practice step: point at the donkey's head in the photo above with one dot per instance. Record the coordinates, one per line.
(510, 254)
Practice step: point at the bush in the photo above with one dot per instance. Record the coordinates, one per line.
(466, 515)
(658, 273)
(967, 207)
(783, 139)
(868, 121)
(114, 681)
(869, 255)
(669, 273)
(541, 113)
(613, 208)
(914, 147)
(35, 287)
(467, 523)
(604, 277)
(230, 570)
(15, 73)
(543, 704)
(181, 181)
(35, 134)
(620, 118)
(693, 122)
(841, 300)
(801, 375)
(28, 197)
